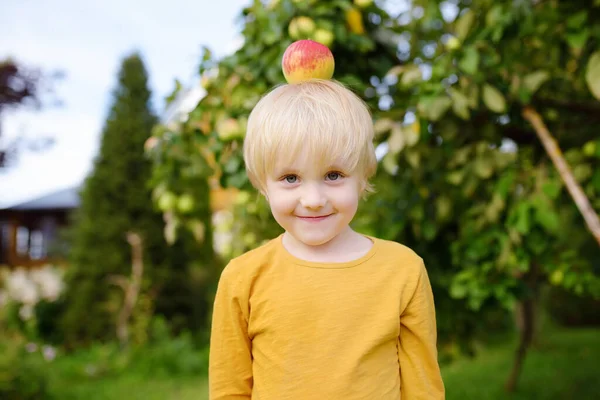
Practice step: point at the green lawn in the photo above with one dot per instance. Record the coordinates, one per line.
(563, 366)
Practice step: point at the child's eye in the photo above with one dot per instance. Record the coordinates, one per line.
(290, 178)
(333, 176)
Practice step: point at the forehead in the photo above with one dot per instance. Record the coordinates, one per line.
(306, 163)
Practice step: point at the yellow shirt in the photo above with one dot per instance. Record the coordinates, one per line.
(284, 328)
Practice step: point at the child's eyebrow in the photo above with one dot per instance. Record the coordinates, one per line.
(286, 171)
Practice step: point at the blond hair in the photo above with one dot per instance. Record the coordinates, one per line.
(322, 116)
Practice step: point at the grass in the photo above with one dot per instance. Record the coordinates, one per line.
(564, 365)
(134, 387)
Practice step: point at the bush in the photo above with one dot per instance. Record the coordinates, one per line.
(569, 309)
(167, 355)
(22, 373)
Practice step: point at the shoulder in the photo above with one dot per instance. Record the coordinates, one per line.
(401, 255)
(250, 262)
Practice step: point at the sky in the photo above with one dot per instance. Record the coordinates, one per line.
(87, 40)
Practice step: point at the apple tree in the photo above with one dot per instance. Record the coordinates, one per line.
(465, 96)
(492, 135)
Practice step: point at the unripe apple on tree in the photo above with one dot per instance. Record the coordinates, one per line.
(167, 201)
(306, 26)
(228, 129)
(186, 203)
(306, 59)
(242, 197)
(452, 43)
(323, 36)
(363, 3)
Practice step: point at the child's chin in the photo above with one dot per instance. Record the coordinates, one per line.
(315, 240)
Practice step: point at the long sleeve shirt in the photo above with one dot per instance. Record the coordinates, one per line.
(284, 328)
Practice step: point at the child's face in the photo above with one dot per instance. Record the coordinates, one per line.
(313, 203)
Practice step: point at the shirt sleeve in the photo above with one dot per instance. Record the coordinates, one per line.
(230, 360)
(420, 377)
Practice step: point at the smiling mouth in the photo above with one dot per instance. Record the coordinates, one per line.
(315, 219)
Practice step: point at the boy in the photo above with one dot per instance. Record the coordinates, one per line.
(321, 312)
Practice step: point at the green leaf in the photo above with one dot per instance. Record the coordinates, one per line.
(483, 167)
(493, 99)
(460, 103)
(443, 207)
(390, 164)
(522, 223)
(396, 140)
(473, 96)
(463, 24)
(412, 74)
(592, 74)
(382, 125)
(576, 20)
(429, 230)
(577, 40)
(551, 189)
(534, 80)
(470, 61)
(414, 159)
(437, 108)
(412, 133)
(548, 219)
(455, 177)
(493, 16)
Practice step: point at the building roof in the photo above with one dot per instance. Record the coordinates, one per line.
(61, 199)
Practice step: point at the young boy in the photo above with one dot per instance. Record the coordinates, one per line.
(321, 312)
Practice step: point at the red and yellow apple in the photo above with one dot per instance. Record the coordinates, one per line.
(306, 59)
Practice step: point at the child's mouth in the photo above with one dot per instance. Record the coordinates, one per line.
(317, 218)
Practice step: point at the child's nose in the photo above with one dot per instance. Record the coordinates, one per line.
(313, 197)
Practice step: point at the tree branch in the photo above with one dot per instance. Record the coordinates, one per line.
(583, 204)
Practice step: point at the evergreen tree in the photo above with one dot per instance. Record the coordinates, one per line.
(115, 199)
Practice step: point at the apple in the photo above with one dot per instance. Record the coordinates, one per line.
(363, 3)
(306, 59)
(293, 30)
(242, 197)
(228, 129)
(453, 43)
(249, 239)
(323, 36)
(150, 143)
(167, 201)
(306, 26)
(185, 204)
(589, 149)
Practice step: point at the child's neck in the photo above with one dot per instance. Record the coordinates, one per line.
(347, 246)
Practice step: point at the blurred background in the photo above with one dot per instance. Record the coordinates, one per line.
(123, 192)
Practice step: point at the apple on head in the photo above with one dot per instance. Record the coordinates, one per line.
(306, 59)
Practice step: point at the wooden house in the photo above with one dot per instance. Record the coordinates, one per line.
(29, 230)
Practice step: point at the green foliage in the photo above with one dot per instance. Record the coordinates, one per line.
(22, 373)
(465, 181)
(562, 366)
(512, 225)
(116, 199)
(569, 309)
(168, 356)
